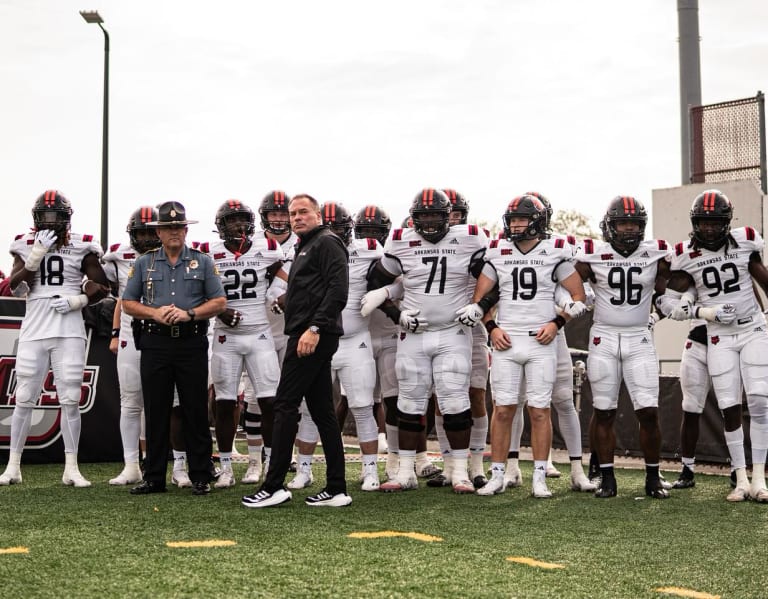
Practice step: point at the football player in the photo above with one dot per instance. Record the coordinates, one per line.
(242, 337)
(437, 263)
(719, 264)
(527, 266)
(625, 271)
(118, 261)
(49, 266)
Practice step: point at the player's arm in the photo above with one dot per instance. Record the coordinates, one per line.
(96, 286)
(114, 340)
(758, 271)
(585, 271)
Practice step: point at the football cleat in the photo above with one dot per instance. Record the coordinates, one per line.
(302, 480)
(180, 478)
(11, 476)
(495, 486)
(655, 489)
(513, 478)
(665, 484)
(607, 488)
(73, 478)
(552, 472)
(428, 471)
(226, 479)
(439, 480)
(253, 473)
(738, 494)
(463, 486)
(685, 480)
(758, 494)
(371, 478)
(398, 484)
(580, 482)
(540, 490)
(130, 475)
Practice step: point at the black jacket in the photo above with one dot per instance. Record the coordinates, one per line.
(318, 283)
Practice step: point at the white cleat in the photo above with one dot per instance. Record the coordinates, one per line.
(758, 494)
(302, 480)
(540, 491)
(738, 494)
(513, 478)
(130, 475)
(495, 486)
(383, 447)
(398, 484)
(582, 483)
(371, 479)
(253, 474)
(73, 478)
(552, 472)
(463, 486)
(226, 479)
(11, 476)
(180, 478)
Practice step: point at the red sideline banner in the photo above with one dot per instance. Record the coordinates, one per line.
(99, 399)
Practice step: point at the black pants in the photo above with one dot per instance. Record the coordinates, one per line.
(308, 378)
(181, 363)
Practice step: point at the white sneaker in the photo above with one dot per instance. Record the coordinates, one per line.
(552, 472)
(130, 475)
(539, 489)
(325, 499)
(11, 476)
(399, 483)
(302, 480)
(513, 478)
(253, 474)
(580, 482)
(494, 486)
(759, 494)
(371, 478)
(226, 479)
(266, 499)
(73, 478)
(180, 478)
(738, 494)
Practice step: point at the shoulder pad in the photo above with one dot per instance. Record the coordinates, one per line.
(494, 243)
(472, 229)
(113, 247)
(662, 244)
(88, 238)
(750, 233)
(371, 243)
(397, 234)
(589, 246)
(571, 239)
(271, 244)
(559, 243)
(679, 249)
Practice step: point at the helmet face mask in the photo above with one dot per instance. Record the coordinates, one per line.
(339, 220)
(53, 211)
(711, 215)
(530, 209)
(143, 237)
(623, 210)
(547, 207)
(235, 222)
(431, 213)
(373, 223)
(273, 211)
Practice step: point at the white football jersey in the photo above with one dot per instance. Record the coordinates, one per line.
(244, 278)
(623, 287)
(60, 274)
(277, 321)
(723, 277)
(117, 263)
(436, 276)
(527, 281)
(362, 253)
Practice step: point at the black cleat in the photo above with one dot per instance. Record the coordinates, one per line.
(438, 481)
(147, 487)
(733, 479)
(479, 481)
(201, 488)
(293, 467)
(607, 489)
(655, 490)
(594, 474)
(685, 480)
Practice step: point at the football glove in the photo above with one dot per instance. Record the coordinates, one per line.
(723, 313)
(470, 315)
(575, 309)
(372, 300)
(69, 303)
(44, 239)
(410, 322)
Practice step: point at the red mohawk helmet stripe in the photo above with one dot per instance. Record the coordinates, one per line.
(234, 204)
(146, 214)
(451, 193)
(514, 203)
(50, 197)
(279, 198)
(370, 211)
(629, 204)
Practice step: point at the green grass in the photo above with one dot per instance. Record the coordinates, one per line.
(103, 542)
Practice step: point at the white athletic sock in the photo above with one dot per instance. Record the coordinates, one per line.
(225, 459)
(735, 442)
(70, 427)
(179, 459)
(20, 423)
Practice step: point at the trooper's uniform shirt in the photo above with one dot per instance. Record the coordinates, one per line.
(527, 282)
(353, 362)
(620, 344)
(46, 336)
(436, 277)
(736, 352)
(250, 344)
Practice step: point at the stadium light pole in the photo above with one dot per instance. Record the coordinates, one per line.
(94, 17)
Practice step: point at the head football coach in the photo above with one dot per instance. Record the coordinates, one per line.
(317, 293)
(171, 293)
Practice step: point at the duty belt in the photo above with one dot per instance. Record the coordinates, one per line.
(184, 329)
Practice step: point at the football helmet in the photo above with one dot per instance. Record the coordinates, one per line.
(458, 204)
(714, 208)
(547, 206)
(624, 209)
(53, 211)
(530, 207)
(275, 201)
(372, 222)
(431, 211)
(138, 222)
(235, 221)
(407, 223)
(338, 219)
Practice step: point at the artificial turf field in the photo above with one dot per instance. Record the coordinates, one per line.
(58, 541)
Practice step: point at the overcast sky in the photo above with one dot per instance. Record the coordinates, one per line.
(353, 101)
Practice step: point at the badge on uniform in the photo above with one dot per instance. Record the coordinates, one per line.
(194, 264)
(130, 272)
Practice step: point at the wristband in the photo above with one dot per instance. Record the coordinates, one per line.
(559, 321)
(490, 325)
(115, 333)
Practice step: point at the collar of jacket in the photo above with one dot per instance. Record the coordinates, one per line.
(304, 239)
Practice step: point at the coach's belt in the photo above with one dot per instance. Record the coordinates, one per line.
(184, 329)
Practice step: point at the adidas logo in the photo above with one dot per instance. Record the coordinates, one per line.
(544, 252)
(461, 331)
(454, 241)
(259, 255)
(644, 255)
(262, 336)
(362, 346)
(354, 253)
(644, 340)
